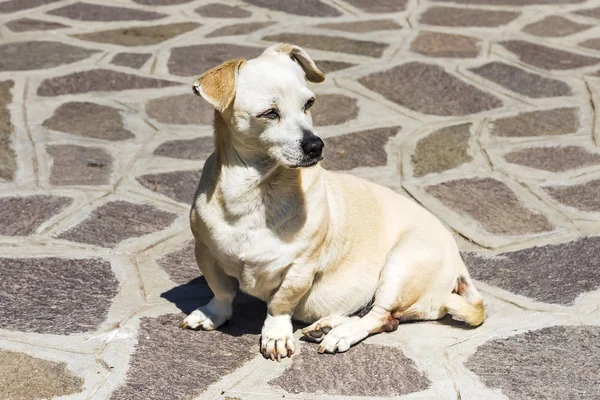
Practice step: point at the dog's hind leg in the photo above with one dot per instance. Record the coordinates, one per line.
(317, 331)
(408, 273)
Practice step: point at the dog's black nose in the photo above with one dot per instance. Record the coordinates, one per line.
(312, 147)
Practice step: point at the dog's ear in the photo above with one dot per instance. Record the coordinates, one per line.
(313, 73)
(217, 86)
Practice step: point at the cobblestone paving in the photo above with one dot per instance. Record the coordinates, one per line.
(484, 111)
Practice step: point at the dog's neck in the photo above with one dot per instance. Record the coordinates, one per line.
(247, 177)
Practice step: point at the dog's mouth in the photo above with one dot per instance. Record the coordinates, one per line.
(308, 163)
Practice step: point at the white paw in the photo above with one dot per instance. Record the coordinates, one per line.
(340, 339)
(208, 317)
(277, 338)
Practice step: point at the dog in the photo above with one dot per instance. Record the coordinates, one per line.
(316, 246)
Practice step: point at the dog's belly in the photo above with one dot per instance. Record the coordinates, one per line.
(341, 293)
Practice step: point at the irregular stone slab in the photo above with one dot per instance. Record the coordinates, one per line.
(28, 24)
(379, 6)
(116, 221)
(22, 216)
(157, 371)
(336, 44)
(181, 265)
(53, 295)
(444, 149)
(8, 162)
(558, 362)
(239, 29)
(363, 26)
(184, 109)
(187, 149)
(585, 196)
(546, 57)
(78, 165)
(512, 2)
(593, 44)
(98, 80)
(353, 373)
(139, 35)
(179, 185)
(558, 121)
(521, 81)
(25, 56)
(89, 120)
(222, 11)
(327, 66)
(555, 26)
(194, 60)
(492, 204)
(437, 44)
(94, 12)
(358, 149)
(334, 109)
(310, 8)
(590, 12)
(554, 159)
(25, 377)
(450, 16)
(133, 60)
(12, 6)
(161, 2)
(429, 89)
(543, 273)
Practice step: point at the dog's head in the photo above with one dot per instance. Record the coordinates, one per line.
(266, 104)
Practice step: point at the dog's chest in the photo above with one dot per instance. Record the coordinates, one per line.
(248, 249)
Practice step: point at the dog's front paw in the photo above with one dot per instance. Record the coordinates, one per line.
(208, 317)
(277, 338)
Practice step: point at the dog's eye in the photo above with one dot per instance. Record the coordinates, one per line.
(270, 114)
(309, 104)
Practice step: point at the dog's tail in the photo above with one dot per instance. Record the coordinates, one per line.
(465, 303)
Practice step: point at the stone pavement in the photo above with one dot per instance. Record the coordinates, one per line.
(481, 110)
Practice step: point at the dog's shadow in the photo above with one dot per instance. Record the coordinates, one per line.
(248, 312)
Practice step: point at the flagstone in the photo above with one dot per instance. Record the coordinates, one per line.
(95, 12)
(183, 109)
(435, 44)
(379, 6)
(22, 216)
(336, 44)
(451, 16)
(555, 26)
(8, 163)
(311, 8)
(133, 60)
(334, 109)
(187, 149)
(547, 57)
(29, 24)
(178, 185)
(197, 59)
(54, 295)
(25, 56)
(239, 29)
(441, 150)
(79, 165)
(553, 159)
(139, 35)
(215, 10)
(553, 122)
(583, 196)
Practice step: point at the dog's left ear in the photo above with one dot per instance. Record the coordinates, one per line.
(217, 86)
(313, 73)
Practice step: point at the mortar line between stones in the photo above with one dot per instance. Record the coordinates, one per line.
(594, 112)
(34, 160)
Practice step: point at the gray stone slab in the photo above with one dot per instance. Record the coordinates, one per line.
(55, 295)
(215, 10)
(95, 12)
(79, 165)
(436, 44)
(139, 35)
(184, 109)
(491, 203)
(89, 120)
(553, 122)
(429, 89)
(178, 185)
(98, 80)
(555, 26)
(336, 44)
(333, 109)
(584, 196)
(160, 370)
(553, 159)
(187, 149)
(195, 60)
(21, 216)
(312, 8)
(133, 60)
(181, 265)
(451, 16)
(547, 57)
(358, 149)
(116, 221)
(555, 274)
(521, 81)
(379, 6)
(29, 24)
(559, 362)
(25, 56)
(364, 370)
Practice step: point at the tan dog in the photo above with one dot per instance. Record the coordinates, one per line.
(315, 245)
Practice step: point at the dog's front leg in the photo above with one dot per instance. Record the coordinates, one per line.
(277, 336)
(224, 288)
